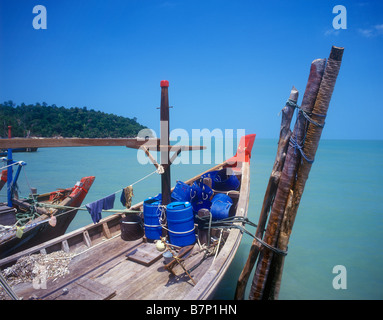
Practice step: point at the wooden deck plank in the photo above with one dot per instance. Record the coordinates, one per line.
(103, 291)
(120, 275)
(84, 289)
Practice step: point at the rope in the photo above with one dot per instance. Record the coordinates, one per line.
(293, 142)
(20, 163)
(160, 170)
(295, 145)
(179, 232)
(23, 218)
(83, 207)
(12, 164)
(153, 225)
(228, 223)
(56, 206)
(162, 214)
(291, 103)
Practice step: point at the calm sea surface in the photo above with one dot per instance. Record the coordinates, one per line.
(339, 220)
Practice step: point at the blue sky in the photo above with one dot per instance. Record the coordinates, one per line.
(230, 64)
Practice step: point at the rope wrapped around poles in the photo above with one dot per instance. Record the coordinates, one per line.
(307, 136)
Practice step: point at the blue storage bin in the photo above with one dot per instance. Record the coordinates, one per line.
(220, 206)
(221, 181)
(181, 192)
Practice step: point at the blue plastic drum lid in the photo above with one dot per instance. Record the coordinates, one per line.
(180, 220)
(152, 214)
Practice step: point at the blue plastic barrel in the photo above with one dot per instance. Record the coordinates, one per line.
(152, 214)
(180, 218)
(220, 206)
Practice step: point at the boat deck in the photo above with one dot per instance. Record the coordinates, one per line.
(106, 272)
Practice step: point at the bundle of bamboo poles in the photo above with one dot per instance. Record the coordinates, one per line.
(295, 155)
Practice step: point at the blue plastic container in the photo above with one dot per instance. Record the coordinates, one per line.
(181, 192)
(152, 214)
(180, 218)
(222, 180)
(200, 191)
(220, 206)
(223, 197)
(200, 204)
(200, 196)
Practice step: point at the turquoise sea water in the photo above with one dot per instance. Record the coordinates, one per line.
(339, 220)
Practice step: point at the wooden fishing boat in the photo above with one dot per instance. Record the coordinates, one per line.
(105, 266)
(24, 224)
(119, 258)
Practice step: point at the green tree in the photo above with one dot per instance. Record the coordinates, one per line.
(45, 120)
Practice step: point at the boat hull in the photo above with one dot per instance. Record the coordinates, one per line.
(38, 230)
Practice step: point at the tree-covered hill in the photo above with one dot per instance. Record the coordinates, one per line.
(49, 121)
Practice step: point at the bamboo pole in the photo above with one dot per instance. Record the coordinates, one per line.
(284, 136)
(309, 148)
(286, 181)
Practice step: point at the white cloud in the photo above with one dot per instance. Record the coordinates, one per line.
(332, 32)
(366, 32)
(373, 31)
(379, 28)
